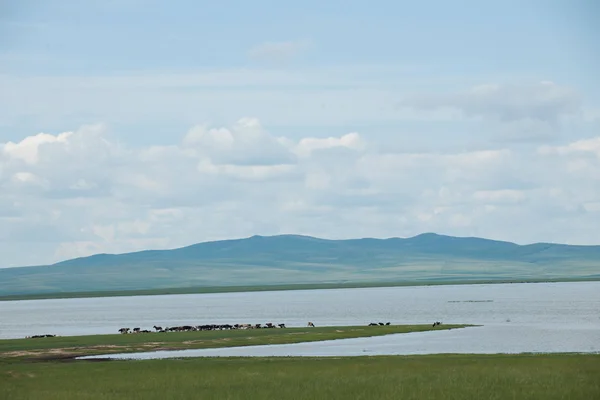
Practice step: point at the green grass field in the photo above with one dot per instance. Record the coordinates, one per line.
(70, 346)
(266, 288)
(45, 369)
(460, 377)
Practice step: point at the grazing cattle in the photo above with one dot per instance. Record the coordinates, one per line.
(180, 328)
(381, 324)
(387, 323)
(436, 323)
(214, 327)
(207, 327)
(310, 324)
(40, 336)
(372, 324)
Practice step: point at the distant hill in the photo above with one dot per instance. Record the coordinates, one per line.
(293, 259)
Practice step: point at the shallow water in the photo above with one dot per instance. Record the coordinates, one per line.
(521, 317)
(491, 339)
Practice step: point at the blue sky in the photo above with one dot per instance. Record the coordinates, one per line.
(432, 45)
(182, 100)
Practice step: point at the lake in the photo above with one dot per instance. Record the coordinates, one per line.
(524, 317)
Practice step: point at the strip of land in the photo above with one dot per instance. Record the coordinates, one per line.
(464, 377)
(67, 347)
(267, 288)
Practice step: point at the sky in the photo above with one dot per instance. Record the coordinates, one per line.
(128, 124)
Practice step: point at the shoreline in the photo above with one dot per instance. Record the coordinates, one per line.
(71, 347)
(272, 288)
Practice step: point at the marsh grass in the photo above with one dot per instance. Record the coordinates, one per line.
(69, 346)
(394, 377)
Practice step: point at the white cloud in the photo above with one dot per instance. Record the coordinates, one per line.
(246, 143)
(78, 193)
(306, 146)
(244, 172)
(582, 147)
(28, 148)
(25, 177)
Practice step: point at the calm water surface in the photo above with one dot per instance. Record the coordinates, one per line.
(523, 317)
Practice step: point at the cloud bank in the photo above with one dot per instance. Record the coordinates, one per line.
(76, 193)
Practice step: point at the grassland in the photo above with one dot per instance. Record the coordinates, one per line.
(463, 377)
(45, 369)
(266, 288)
(286, 260)
(73, 346)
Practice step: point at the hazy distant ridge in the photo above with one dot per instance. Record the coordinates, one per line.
(289, 259)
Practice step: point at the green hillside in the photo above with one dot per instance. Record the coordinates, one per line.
(292, 259)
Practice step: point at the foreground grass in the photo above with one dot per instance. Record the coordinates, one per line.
(415, 377)
(267, 288)
(69, 346)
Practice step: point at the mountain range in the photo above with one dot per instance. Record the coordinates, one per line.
(294, 259)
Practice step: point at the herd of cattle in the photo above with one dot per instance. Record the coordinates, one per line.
(211, 327)
(39, 336)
